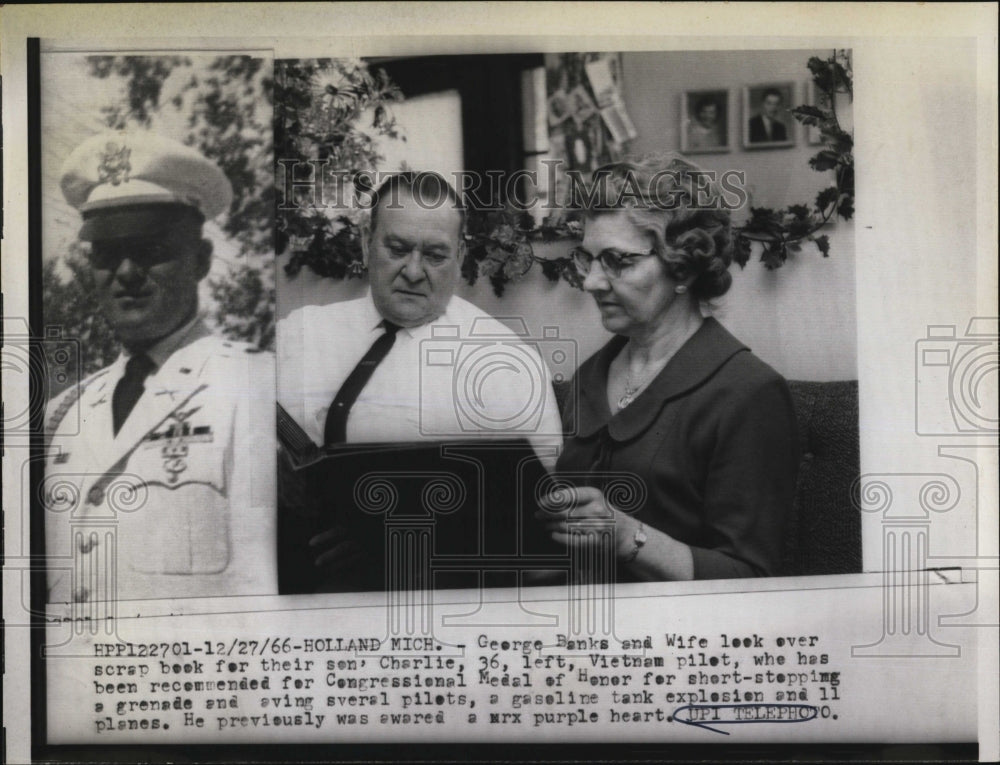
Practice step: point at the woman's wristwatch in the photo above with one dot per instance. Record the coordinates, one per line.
(638, 541)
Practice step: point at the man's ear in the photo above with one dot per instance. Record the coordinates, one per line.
(203, 260)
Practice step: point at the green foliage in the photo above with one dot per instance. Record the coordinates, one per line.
(244, 304)
(777, 233)
(498, 247)
(230, 113)
(145, 76)
(71, 306)
(328, 113)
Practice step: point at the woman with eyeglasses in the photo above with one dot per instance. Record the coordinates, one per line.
(678, 434)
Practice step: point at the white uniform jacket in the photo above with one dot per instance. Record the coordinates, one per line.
(181, 503)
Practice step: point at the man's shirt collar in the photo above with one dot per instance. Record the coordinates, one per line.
(372, 320)
(166, 347)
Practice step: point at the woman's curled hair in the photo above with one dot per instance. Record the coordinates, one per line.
(681, 206)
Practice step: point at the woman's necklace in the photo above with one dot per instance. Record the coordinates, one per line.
(630, 394)
(633, 390)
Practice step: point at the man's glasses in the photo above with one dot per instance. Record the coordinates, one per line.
(613, 261)
(108, 255)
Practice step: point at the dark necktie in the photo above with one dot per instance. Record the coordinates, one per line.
(335, 431)
(129, 388)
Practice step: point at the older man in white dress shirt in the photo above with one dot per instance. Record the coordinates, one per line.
(411, 361)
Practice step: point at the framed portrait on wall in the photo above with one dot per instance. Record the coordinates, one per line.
(767, 122)
(704, 125)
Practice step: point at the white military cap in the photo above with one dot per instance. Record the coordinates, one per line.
(124, 182)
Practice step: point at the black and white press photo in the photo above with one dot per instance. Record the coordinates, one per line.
(498, 383)
(158, 269)
(590, 310)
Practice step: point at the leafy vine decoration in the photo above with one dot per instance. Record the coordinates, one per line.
(328, 114)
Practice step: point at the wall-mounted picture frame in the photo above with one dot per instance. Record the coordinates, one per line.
(704, 123)
(767, 122)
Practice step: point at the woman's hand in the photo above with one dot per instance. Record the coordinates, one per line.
(661, 558)
(565, 508)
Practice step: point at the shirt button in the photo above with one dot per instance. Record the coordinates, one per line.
(95, 496)
(87, 543)
(80, 595)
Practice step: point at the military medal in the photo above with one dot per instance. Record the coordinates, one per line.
(174, 462)
(175, 451)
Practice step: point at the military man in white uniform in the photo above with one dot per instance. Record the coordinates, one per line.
(160, 468)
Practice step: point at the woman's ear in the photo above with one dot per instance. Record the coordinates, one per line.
(679, 272)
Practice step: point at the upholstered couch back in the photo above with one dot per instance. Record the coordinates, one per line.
(824, 531)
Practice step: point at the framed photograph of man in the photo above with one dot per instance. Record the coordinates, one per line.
(704, 125)
(767, 122)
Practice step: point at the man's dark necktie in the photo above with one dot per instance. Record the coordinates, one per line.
(335, 431)
(129, 388)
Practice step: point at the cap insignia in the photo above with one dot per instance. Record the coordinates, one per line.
(115, 165)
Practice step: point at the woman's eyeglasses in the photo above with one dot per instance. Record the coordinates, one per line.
(613, 261)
